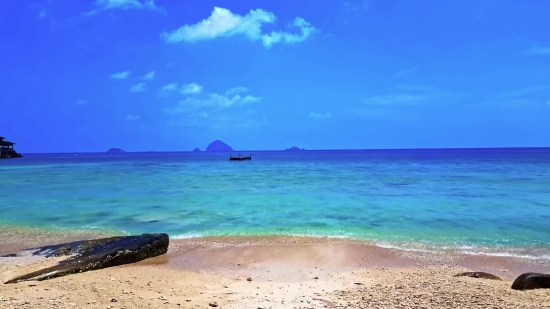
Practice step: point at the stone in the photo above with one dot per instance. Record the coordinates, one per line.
(213, 304)
(95, 254)
(478, 274)
(531, 281)
(248, 279)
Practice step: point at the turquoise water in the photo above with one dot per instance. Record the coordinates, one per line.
(491, 199)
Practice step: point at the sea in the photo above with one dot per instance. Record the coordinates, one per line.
(478, 201)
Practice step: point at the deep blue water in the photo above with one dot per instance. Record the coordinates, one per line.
(466, 198)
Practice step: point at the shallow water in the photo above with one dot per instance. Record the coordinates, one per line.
(497, 200)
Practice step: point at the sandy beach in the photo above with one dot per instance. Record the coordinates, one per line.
(278, 272)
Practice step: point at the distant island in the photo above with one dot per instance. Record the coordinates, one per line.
(115, 150)
(294, 149)
(218, 146)
(196, 150)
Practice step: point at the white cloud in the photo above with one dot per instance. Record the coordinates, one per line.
(149, 76)
(355, 5)
(405, 72)
(213, 101)
(236, 90)
(410, 95)
(223, 23)
(43, 13)
(125, 4)
(316, 115)
(397, 98)
(103, 5)
(214, 110)
(139, 87)
(220, 120)
(133, 117)
(521, 92)
(172, 86)
(539, 51)
(192, 88)
(81, 102)
(120, 75)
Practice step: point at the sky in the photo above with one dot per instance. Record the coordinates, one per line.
(166, 75)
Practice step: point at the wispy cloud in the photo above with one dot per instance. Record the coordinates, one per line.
(405, 72)
(43, 13)
(519, 98)
(520, 92)
(236, 90)
(149, 76)
(223, 23)
(169, 87)
(539, 51)
(103, 5)
(216, 110)
(409, 95)
(120, 75)
(139, 87)
(355, 5)
(133, 117)
(396, 98)
(81, 102)
(192, 88)
(316, 115)
(213, 101)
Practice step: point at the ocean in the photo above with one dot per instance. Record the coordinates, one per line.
(490, 201)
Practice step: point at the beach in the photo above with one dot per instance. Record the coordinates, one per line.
(315, 229)
(280, 272)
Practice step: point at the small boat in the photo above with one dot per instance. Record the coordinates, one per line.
(240, 157)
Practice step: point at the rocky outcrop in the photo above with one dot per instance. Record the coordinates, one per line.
(294, 149)
(478, 274)
(95, 254)
(196, 150)
(218, 146)
(531, 281)
(115, 150)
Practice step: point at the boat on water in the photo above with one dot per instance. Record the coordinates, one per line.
(7, 151)
(240, 157)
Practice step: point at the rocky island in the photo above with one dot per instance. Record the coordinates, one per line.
(115, 150)
(294, 148)
(196, 150)
(218, 146)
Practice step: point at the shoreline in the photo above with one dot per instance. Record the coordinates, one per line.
(17, 237)
(284, 272)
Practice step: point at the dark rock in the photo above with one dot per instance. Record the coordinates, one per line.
(248, 279)
(95, 254)
(478, 274)
(115, 150)
(196, 150)
(213, 304)
(294, 149)
(530, 281)
(218, 146)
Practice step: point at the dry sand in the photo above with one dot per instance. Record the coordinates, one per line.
(284, 272)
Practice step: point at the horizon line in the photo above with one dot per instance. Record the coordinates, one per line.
(292, 151)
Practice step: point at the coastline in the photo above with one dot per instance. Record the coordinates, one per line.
(285, 272)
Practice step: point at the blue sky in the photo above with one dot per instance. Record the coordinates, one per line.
(174, 75)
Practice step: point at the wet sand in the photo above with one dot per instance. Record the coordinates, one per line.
(280, 272)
